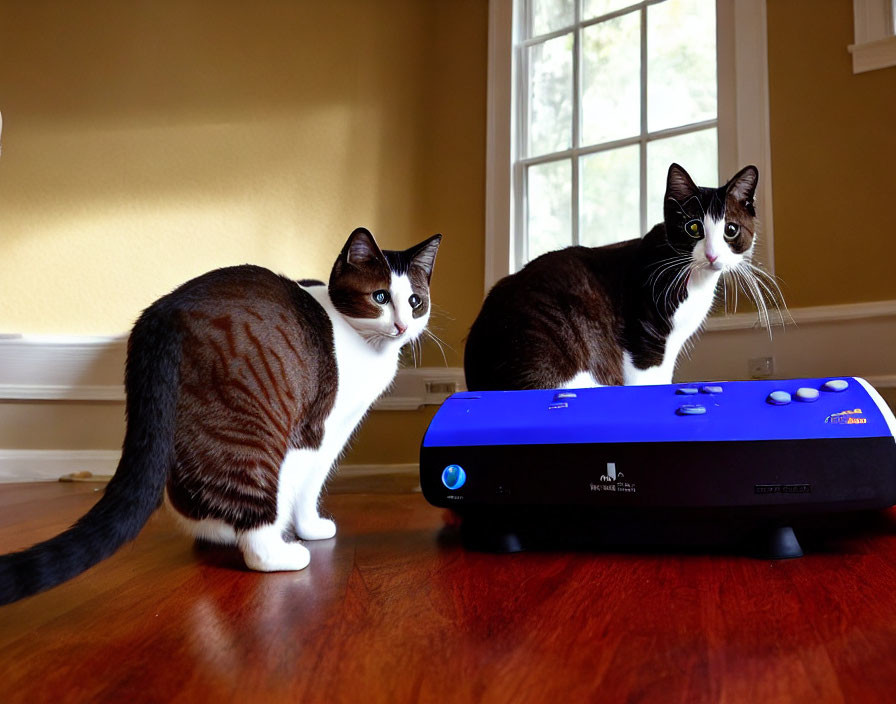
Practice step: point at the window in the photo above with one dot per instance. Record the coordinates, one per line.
(611, 93)
(591, 100)
(875, 33)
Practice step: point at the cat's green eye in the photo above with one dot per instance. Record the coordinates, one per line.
(731, 230)
(415, 301)
(694, 228)
(382, 297)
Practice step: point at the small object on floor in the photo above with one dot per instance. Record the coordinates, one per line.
(85, 477)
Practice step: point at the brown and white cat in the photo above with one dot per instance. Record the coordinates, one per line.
(243, 388)
(618, 314)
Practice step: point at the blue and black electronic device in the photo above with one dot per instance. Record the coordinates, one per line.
(756, 453)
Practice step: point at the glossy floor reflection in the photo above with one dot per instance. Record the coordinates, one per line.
(395, 610)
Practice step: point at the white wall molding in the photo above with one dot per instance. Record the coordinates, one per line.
(62, 368)
(498, 217)
(423, 386)
(59, 392)
(847, 340)
(807, 315)
(871, 56)
(875, 43)
(744, 128)
(92, 370)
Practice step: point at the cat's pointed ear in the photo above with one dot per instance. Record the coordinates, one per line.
(742, 185)
(361, 248)
(679, 185)
(423, 255)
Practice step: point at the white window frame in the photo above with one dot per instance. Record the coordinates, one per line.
(875, 35)
(743, 121)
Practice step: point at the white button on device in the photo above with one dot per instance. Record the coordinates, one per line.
(779, 398)
(806, 394)
(711, 389)
(835, 385)
(691, 410)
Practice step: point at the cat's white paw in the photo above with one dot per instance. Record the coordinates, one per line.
(265, 550)
(315, 528)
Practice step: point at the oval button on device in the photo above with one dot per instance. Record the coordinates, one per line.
(691, 410)
(806, 394)
(779, 398)
(564, 394)
(453, 476)
(712, 389)
(686, 390)
(835, 385)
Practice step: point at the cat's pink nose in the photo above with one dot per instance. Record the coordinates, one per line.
(712, 257)
(399, 328)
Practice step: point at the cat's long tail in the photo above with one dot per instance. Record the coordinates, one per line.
(152, 376)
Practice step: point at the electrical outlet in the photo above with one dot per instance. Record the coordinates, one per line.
(761, 367)
(441, 388)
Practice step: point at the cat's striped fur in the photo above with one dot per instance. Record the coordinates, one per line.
(243, 388)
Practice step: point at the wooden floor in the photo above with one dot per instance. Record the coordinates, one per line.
(392, 611)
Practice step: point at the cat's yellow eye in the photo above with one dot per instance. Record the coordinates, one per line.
(694, 228)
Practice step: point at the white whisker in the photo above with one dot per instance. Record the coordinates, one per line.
(441, 344)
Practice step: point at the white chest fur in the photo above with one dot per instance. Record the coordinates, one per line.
(686, 320)
(365, 372)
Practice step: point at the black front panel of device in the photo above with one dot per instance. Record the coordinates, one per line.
(814, 474)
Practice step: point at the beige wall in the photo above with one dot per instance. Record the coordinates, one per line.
(833, 156)
(150, 140)
(147, 141)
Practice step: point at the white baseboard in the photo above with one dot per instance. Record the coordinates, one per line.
(49, 465)
(357, 471)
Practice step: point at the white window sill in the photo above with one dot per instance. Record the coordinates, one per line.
(869, 56)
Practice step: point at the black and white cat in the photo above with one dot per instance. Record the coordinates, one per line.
(243, 388)
(622, 313)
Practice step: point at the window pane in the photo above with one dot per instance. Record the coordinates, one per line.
(549, 207)
(609, 207)
(611, 83)
(697, 152)
(548, 15)
(550, 96)
(596, 8)
(681, 63)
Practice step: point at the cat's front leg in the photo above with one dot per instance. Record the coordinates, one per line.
(265, 550)
(313, 527)
(306, 471)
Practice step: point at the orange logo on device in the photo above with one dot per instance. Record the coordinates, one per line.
(853, 417)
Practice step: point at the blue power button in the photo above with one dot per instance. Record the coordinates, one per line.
(454, 476)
